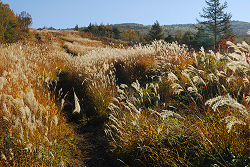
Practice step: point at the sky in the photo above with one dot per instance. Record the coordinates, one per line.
(62, 14)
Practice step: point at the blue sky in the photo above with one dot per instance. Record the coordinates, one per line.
(68, 13)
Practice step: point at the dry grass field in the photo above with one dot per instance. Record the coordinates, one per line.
(158, 104)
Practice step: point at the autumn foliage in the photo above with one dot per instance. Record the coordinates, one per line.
(224, 47)
(9, 24)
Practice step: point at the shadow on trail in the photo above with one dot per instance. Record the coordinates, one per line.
(92, 142)
(91, 139)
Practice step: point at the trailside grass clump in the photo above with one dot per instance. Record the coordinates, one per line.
(210, 91)
(33, 131)
(218, 87)
(144, 133)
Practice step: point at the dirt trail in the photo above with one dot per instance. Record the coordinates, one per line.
(93, 145)
(91, 139)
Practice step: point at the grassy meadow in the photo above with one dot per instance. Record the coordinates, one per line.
(159, 104)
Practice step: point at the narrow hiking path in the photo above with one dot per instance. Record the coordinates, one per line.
(92, 142)
(90, 138)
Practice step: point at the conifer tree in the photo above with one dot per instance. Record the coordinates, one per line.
(156, 32)
(217, 22)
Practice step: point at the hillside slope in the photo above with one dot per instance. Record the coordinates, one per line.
(239, 27)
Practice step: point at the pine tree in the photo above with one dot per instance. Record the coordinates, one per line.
(217, 22)
(155, 32)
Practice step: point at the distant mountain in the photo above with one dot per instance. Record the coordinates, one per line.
(239, 27)
(142, 29)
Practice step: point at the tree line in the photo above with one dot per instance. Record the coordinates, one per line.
(215, 27)
(210, 32)
(12, 25)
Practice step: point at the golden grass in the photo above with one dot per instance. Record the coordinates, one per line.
(212, 132)
(33, 130)
(141, 128)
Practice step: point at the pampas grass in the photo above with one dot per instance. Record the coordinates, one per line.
(161, 105)
(33, 132)
(77, 105)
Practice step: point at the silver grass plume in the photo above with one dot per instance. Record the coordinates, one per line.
(77, 105)
(178, 88)
(220, 73)
(232, 78)
(213, 77)
(203, 54)
(226, 100)
(167, 113)
(30, 100)
(245, 81)
(240, 62)
(232, 45)
(123, 86)
(193, 89)
(3, 157)
(193, 70)
(55, 120)
(195, 58)
(231, 121)
(132, 106)
(172, 77)
(239, 58)
(198, 80)
(137, 87)
(244, 46)
(2, 82)
(247, 99)
(63, 101)
(120, 91)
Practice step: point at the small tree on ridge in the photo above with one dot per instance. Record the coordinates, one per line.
(24, 19)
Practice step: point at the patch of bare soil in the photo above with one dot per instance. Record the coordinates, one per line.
(93, 145)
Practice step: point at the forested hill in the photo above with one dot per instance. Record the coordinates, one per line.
(239, 27)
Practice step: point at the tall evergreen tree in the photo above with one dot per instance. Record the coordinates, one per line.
(217, 22)
(155, 32)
